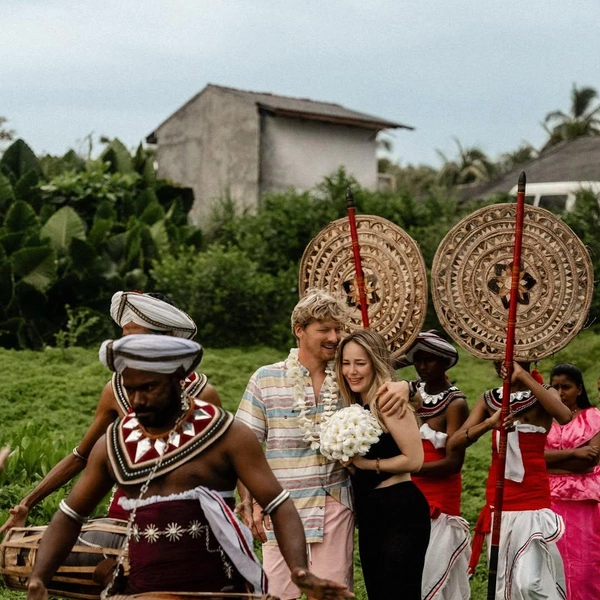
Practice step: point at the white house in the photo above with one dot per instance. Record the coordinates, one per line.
(228, 142)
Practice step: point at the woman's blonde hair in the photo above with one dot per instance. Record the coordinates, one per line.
(379, 356)
(318, 305)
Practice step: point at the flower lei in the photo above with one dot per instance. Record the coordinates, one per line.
(329, 390)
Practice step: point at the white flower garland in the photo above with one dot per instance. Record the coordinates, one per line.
(352, 430)
(329, 393)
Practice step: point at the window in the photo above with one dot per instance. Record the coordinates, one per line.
(556, 203)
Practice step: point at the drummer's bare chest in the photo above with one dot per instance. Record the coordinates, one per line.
(209, 469)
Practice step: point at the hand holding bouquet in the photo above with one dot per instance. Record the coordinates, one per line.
(348, 432)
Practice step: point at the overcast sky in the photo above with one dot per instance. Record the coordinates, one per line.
(484, 72)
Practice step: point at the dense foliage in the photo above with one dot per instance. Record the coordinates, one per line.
(72, 232)
(242, 289)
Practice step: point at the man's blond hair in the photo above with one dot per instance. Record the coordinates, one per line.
(318, 305)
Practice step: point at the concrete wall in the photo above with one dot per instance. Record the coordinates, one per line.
(298, 153)
(212, 146)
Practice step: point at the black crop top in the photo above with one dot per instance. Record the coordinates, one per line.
(385, 447)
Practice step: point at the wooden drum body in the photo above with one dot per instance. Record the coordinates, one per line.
(99, 539)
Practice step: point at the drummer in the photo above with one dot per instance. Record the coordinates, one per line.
(134, 312)
(172, 456)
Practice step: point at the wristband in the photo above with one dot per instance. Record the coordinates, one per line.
(377, 466)
(469, 440)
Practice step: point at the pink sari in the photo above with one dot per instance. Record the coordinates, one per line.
(576, 498)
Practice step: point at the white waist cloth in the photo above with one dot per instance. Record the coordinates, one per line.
(445, 574)
(515, 471)
(529, 563)
(233, 536)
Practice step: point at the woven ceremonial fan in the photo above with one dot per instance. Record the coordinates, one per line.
(471, 275)
(394, 273)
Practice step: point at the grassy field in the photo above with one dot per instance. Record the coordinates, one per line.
(48, 398)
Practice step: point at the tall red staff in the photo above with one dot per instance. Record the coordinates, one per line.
(508, 361)
(360, 279)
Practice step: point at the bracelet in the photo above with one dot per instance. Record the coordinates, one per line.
(377, 466)
(469, 440)
(67, 510)
(79, 456)
(276, 502)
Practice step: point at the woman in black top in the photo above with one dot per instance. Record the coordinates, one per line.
(392, 514)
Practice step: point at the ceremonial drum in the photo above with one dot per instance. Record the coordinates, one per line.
(99, 539)
(193, 595)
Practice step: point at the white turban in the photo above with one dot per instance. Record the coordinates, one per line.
(151, 313)
(153, 353)
(433, 344)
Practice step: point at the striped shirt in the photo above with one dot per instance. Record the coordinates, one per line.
(267, 407)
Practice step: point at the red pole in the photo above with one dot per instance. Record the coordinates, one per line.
(508, 361)
(360, 279)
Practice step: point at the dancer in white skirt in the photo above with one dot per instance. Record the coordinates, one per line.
(443, 410)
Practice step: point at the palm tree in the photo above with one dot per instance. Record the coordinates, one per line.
(582, 120)
(471, 166)
(523, 154)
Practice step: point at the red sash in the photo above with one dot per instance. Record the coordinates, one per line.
(442, 493)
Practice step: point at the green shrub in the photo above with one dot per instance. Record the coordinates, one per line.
(232, 302)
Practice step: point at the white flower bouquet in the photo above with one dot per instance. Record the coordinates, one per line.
(349, 431)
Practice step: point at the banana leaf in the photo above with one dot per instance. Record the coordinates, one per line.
(36, 266)
(62, 227)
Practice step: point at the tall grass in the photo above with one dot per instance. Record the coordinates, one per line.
(47, 400)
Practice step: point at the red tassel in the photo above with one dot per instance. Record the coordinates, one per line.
(537, 376)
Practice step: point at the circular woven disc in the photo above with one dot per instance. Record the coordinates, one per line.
(471, 274)
(394, 271)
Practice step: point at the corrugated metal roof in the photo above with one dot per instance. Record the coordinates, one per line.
(300, 108)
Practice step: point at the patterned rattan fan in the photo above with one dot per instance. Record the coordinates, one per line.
(470, 281)
(394, 270)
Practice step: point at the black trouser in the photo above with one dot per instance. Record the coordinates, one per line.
(393, 534)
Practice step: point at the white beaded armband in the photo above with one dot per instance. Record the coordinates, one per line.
(65, 508)
(276, 502)
(79, 456)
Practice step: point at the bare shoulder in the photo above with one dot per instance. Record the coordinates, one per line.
(240, 434)
(108, 402)
(458, 406)
(209, 394)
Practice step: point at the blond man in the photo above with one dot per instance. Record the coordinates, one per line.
(284, 404)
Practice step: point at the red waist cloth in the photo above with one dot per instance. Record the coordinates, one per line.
(114, 510)
(442, 493)
(533, 493)
(173, 549)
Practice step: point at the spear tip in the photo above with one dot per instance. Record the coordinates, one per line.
(349, 198)
(521, 182)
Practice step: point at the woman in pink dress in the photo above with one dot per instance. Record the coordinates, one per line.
(572, 453)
